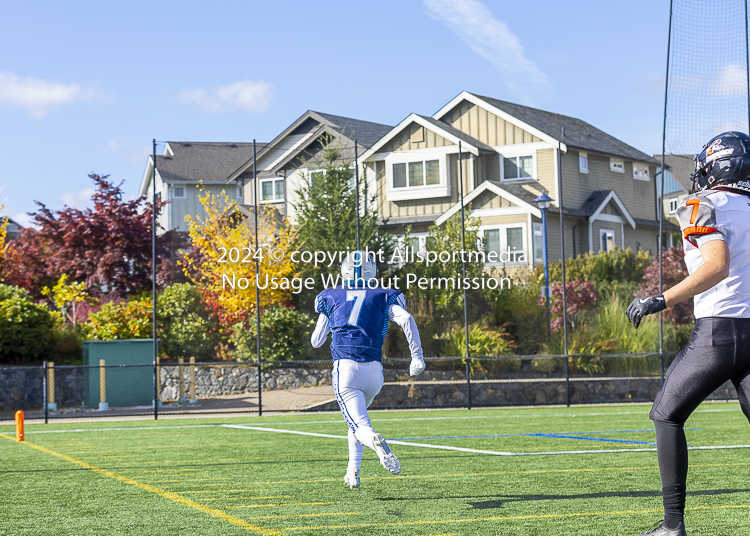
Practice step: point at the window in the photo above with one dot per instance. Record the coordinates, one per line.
(506, 243)
(271, 190)
(415, 174)
(641, 173)
(673, 205)
(606, 240)
(418, 174)
(518, 167)
(239, 192)
(618, 166)
(538, 243)
(178, 192)
(583, 162)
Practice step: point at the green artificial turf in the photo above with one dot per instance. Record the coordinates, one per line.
(293, 484)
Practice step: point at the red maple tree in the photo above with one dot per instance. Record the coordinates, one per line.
(108, 246)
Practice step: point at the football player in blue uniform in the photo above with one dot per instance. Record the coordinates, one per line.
(357, 317)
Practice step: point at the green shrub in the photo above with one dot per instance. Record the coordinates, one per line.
(615, 265)
(184, 323)
(124, 320)
(25, 327)
(517, 310)
(285, 335)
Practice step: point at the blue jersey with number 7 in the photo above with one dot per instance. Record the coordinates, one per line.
(358, 318)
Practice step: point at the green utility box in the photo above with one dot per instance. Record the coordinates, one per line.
(125, 386)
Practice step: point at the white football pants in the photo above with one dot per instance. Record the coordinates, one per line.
(355, 385)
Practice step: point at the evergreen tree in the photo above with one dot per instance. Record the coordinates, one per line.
(327, 213)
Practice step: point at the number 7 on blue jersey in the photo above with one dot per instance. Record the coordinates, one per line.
(358, 296)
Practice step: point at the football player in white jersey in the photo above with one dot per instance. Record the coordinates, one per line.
(357, 317)
(715, 223)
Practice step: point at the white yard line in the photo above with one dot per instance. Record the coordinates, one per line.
(475, 451)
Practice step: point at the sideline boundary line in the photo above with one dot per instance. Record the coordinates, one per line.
(174, 497)
(477, 451)
(509, 518)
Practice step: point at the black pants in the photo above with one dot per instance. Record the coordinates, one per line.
(718, 351)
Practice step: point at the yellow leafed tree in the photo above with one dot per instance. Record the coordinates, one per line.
(221, 261)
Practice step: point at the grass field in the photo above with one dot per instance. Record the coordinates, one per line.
(535, 471)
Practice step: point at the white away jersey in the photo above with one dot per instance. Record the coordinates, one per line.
(719, 215)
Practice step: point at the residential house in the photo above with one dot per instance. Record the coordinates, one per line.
(13, 229)
(183, 168)
(285, 164)
(677, 182)
(511, 154)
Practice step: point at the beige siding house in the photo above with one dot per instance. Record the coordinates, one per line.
(510, 155)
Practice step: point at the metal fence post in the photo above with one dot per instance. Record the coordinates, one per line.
(468, 383)
(44, 392)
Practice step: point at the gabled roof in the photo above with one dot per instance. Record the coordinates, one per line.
(192, 162)
(578, 133)
(364, 132)
(549, 127)
(680, 167)
(599, 199)
(519, 198)
(470, 144)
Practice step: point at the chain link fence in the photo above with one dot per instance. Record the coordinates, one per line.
(52, 392)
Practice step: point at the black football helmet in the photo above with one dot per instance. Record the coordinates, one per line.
(724, 162)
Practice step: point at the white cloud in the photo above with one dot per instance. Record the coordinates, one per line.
(731, 80)
(129, 152)
(23, 219)
(474, 23)
(79, 200)
(251, 95)
(38, 97)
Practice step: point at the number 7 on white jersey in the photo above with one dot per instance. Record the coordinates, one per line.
(358, 296)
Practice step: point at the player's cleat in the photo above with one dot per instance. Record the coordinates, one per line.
(352, 479)
(387, 458)
(661, 530)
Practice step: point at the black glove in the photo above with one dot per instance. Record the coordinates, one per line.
(641, 307)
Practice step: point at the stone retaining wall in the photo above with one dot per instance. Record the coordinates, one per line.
(21, 388)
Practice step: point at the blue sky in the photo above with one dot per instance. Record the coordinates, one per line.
(85, 86)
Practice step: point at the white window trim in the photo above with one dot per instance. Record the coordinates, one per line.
(534, 226)
(442, 189)
(184, 191)
(640, 166)
(602, 234)
(582, 156)
(503, 240)
(533, 177)
(676, 201)
(260, 190)
(613, 162)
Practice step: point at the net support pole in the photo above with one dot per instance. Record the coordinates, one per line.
(44, 392)
(747, 67)
(257, 278)
(562, 264)
(356, 187)
(463, 276)
(660, 197)
(153, 278)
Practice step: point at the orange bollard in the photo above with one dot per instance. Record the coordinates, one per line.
(19, 426)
